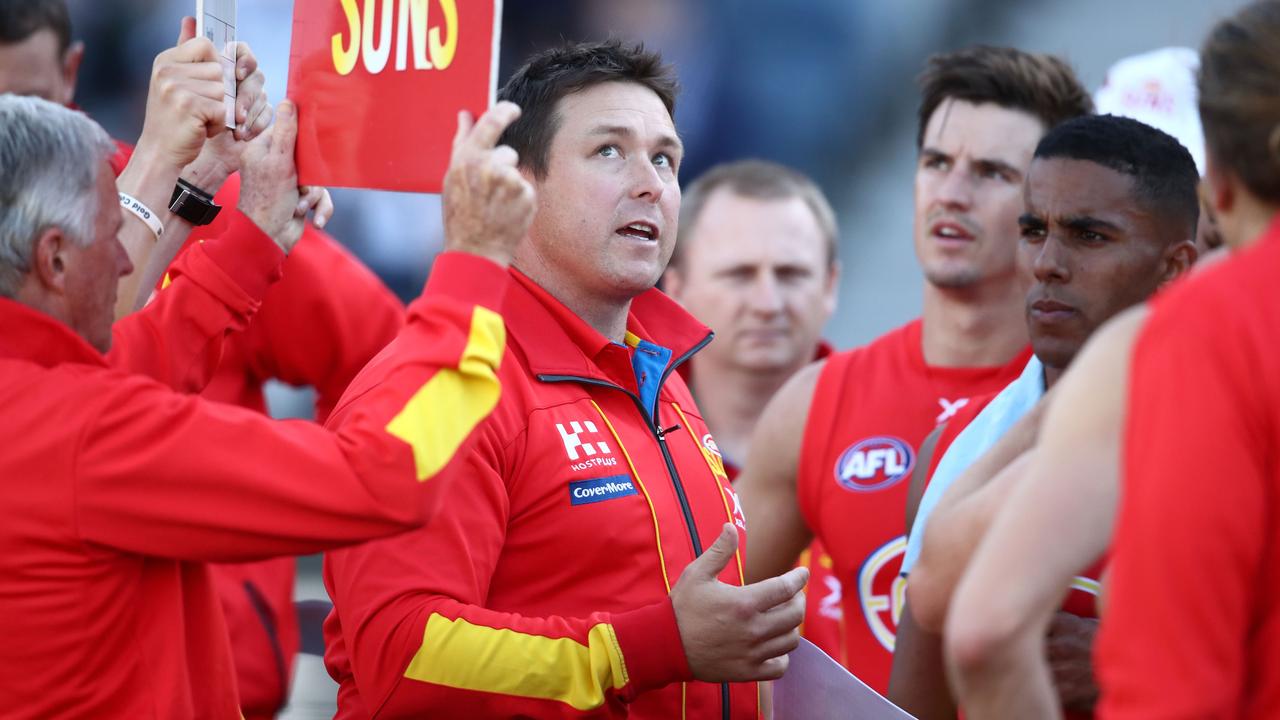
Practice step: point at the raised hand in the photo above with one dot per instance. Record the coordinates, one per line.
(269, 192)
(488, 205)
(184, 102)
(737, 634)
(220, 156)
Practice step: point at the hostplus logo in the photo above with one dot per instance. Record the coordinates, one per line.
(579, 443)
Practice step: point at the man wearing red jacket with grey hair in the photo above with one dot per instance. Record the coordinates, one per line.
(325, 318)
(120, 490)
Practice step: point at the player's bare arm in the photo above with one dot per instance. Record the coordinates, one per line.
(1054, 524)
(918, 683)
(219, 158)
(184, 108)
(920, 475)
(768, 485)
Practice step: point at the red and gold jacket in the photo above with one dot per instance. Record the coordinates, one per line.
(542, 589)
(115, 490)
(324, 319)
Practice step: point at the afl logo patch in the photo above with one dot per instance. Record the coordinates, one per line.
(874, 464)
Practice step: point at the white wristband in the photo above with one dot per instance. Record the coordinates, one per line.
(133, 205)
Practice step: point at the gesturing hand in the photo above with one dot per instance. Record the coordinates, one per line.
(737, 634)
(488, 205)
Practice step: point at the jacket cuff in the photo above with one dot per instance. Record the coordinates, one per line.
(246, 255)
(649, 640)
(467, 278)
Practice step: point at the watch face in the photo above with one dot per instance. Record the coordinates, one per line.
(191, 207)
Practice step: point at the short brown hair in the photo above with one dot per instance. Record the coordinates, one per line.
(552, 74)
(20, 19)
(1041, 85)
(758, 180)
(1239, 88)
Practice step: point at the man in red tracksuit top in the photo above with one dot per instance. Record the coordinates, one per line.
(564, 578)
(325, 318)
(833, 451)
(118, 490)
(319, 324)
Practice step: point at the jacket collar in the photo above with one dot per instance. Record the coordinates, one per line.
(555, 341)
(28, 334)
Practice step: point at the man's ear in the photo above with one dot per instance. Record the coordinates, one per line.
(49, 260)
(831, 293)
(71, 70)
(1178, 260)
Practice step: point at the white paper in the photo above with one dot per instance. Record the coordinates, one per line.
(815, 686)
(216, 20)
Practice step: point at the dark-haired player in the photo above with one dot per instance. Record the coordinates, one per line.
(1111, 216)
(831, 455)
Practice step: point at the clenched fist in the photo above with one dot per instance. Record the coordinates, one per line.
(488, 205)
(184, 102)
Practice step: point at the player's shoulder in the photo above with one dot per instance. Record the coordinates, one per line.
(893, 345)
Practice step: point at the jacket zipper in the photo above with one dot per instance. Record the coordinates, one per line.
(661, 436)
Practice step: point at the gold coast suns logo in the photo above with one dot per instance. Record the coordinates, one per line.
(711, 453)
(882, 591)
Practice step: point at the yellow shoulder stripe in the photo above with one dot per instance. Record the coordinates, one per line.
(458, 654)
(444, 411)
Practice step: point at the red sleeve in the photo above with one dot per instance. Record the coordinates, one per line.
(323, 321)
(1188, 550)
(417, 641)
(177, 338)
(173, 476)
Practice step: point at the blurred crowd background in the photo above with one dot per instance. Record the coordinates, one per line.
(826, 86)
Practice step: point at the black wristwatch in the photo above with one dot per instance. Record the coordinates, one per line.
(192, 204)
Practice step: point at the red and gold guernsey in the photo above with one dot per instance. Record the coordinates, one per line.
(871, 409)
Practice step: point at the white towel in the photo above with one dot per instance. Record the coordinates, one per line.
(1014, 401)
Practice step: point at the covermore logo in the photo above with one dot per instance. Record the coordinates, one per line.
(874, 464)
(585, 492)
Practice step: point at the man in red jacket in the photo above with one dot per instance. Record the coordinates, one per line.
(318, 325)
(587, 563)
(117, 490)
(756, 261)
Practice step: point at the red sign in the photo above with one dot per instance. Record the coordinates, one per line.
(379, 84)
